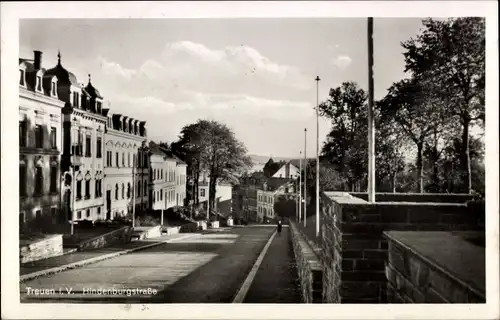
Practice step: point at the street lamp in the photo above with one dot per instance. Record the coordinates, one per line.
(305, 177)
(300, 187)
(317, 155)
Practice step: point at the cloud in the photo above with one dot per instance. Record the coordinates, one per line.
(113, 68)
(342, 61)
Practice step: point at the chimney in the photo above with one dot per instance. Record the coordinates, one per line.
(38, 59)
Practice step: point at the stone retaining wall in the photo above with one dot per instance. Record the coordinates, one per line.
(118, 236)
(308, 267)
(354, 251)
(434, 267)
(417, 197)
(49, 246)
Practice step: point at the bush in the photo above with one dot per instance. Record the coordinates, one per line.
(85, 224)
(147, 221)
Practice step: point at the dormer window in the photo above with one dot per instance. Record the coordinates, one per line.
(21, 78)
(54, 89)
(38, 83)
(75, 99)
(99, 107)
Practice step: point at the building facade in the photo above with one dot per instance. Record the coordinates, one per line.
(180, 180)
(39, 147)
(82, 161)
(124, 137)
(267, 196)
(162, 183)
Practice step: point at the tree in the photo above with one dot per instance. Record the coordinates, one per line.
(224, 157)
(346, 143)
(189, 148)
(449, 56)
(389, 145)
(417, 115)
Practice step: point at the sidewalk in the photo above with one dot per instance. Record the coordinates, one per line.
(82, 256)
(276, 280)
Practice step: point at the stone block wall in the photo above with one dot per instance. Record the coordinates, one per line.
(118, 236)
(417, 197)
(354, 251)
(419, 270)
(46, 247)
(308, 266)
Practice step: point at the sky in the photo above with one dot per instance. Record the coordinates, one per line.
(255, 75)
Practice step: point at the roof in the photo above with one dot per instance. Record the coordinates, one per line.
(93, 91)
(275, 183)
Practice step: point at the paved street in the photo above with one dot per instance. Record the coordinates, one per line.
(206, 268)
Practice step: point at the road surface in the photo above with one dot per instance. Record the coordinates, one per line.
(206, 268)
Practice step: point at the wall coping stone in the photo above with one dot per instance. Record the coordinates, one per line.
(447, 252)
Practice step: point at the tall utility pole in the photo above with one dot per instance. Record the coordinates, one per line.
(133, 190)
(305, 177)
(317, 155)
(300, 187)
(371, 124)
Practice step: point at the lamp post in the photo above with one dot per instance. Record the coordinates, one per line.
(371, 125)
(317, 155)
(305, 177)
(300, 186)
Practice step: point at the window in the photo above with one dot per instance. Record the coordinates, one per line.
(99, 106)
(88, 213)
(128, 160)
(78, 190)
(117, 160)
(75, 99)
(109, 158)
(22, 133)
(88, 146)
(202, 192)
(145, 189)
(53, 88)
(53, 178)
(161, 195)
(79, 215)
(97, 188)
(116, 191)
(139, 188)
(38, 180)
(123, 191)
(39, 83)
(38, 136)
(22, 178)
(123, 159)
(53, 138)
(87, 189)
(134, 161)
(99, 147)
(128, 191)
(98, 210)
(154, 196)
(21, 77)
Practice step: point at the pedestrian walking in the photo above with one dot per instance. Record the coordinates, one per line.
(279, 227)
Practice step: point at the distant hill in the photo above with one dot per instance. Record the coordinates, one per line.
(256, 159)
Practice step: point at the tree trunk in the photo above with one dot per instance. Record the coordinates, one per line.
(465, 155)
(420, 167)
(211, 192)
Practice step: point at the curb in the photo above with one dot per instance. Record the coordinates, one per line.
(78, 264)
